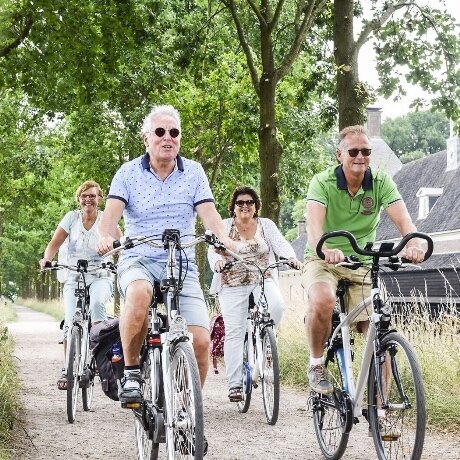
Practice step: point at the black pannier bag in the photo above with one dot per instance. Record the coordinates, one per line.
(101, 339)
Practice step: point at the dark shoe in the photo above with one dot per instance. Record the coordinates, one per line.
(131, 397)
(318, 380)
(62, 382)
(235, 394)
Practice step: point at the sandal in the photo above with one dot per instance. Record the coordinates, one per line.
(235, 394)
(62, 382)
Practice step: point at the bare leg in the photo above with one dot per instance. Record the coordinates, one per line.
(133, 320)
(201, 343)
(321, 301)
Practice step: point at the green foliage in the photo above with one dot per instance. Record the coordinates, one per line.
(420, 44)
(416, 134)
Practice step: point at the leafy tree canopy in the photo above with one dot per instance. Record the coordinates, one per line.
(423, 132)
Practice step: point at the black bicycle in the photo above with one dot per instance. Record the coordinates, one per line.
(389, 369)
(80, 364)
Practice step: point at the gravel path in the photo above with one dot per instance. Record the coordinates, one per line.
(106, 432)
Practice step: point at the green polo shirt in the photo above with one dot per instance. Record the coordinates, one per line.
(360, 215)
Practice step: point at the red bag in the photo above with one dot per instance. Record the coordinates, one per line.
(217, 330)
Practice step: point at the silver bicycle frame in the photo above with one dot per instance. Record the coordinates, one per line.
(356, 392)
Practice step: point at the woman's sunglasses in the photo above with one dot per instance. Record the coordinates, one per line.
(241, 203)
(354, 152)
(173, 132)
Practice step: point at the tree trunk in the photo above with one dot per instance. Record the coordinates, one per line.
(270, 150)
(351, 95)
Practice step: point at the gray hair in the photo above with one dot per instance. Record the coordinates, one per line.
(356, 129)
(156, 111)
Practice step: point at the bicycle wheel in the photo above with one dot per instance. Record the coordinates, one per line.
(87, 379)
(332, 414)
(184, 426)
(72, 373)
(243, 406)
(401, 432)
(144, 418)
(270, 375)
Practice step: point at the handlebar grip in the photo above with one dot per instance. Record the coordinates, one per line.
(48, 264)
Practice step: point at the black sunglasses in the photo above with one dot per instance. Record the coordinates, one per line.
(354, 152)
(173, 132)
(241, 203)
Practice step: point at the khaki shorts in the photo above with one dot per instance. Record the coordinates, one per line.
(316, 270)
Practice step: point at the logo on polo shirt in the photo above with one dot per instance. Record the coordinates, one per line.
(367, 204)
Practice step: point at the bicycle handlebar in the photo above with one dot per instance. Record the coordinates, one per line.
(127, 242)
(282, 261)
(81, 267)
(383, 251)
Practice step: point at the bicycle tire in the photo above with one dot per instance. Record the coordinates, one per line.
(332, 414)
(146, 447)
(87, 387)
(270, 375)
(185, 423)
(246, 379)
(407, 415)
(72, 373)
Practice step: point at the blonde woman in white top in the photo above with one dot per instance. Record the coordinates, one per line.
(77, 232)
(260, 240)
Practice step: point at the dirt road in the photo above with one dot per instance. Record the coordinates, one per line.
(106, 432)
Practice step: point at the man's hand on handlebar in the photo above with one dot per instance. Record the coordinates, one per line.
(333, 256)
(104, 245)
(294, 263)
(414, 254)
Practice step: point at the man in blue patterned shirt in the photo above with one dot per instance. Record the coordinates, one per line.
(154, 192)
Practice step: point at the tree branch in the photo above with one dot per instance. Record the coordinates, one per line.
(24, 33)
(377, 23)
(230, 4)
(310, 14)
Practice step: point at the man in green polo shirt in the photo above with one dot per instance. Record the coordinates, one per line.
(345, 197)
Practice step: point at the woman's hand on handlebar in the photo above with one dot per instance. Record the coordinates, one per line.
(43, 262)
(219, 265)
(333, 256)
(104, 245)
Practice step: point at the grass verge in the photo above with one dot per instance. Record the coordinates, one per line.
(9, 383)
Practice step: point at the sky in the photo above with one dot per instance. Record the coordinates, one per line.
(391, 108)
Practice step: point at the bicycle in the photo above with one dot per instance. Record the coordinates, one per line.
(260, 352)
(80, 364)
(172, 409)
(389, 369)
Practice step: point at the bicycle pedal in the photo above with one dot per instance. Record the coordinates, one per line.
(389, 437)
(131, 405)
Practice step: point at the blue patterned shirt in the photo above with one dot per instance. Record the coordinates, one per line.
(153, 205)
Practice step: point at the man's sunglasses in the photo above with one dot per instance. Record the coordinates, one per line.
(354, 152)
(241, 203)
(173, 132)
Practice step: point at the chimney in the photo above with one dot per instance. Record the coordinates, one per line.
(301, 227)
(374, 121)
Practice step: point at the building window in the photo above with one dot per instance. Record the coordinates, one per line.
(427, 198)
